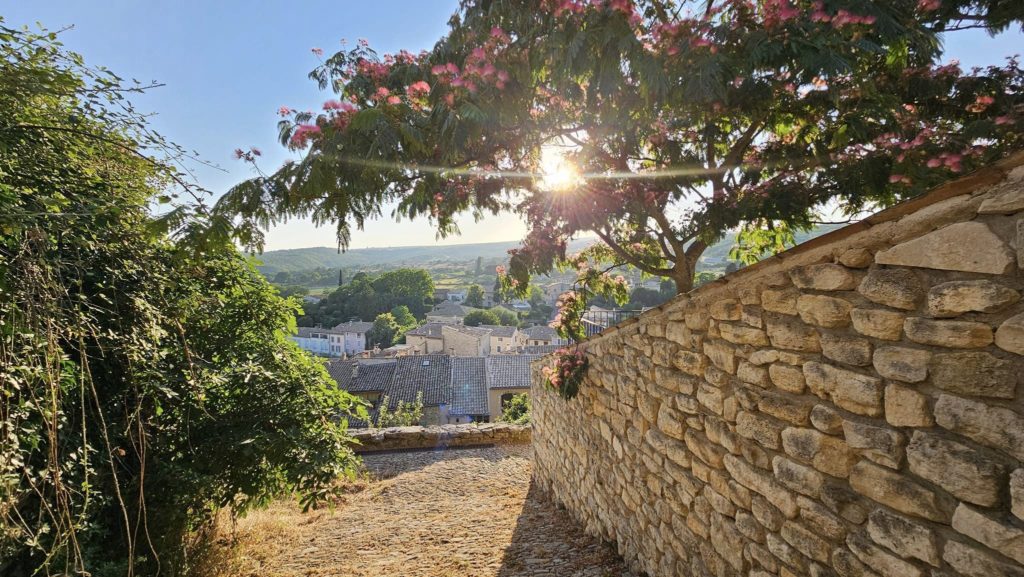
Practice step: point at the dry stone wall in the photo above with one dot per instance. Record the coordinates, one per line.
(851, 407)
(438, 436)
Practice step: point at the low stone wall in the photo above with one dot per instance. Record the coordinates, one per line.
(849, 407)
(438, 436)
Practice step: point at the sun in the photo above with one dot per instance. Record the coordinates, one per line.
(558, 173)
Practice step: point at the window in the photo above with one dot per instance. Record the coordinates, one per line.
(499, 348)
(506, 399)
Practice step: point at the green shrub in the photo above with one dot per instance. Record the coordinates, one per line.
(517, 410)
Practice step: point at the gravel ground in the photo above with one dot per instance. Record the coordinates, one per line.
(465, 512)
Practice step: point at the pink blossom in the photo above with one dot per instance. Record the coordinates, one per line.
(418, 89)
(284, 111)
(394, 100)
(239, 154)
(302, 135)
(1001, 120)
(929, 5)
(317, 51)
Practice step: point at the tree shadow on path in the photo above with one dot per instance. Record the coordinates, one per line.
(547, 541)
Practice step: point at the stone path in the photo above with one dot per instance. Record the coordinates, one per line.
(465, 512)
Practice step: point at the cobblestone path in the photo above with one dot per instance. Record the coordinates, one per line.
(464, 512)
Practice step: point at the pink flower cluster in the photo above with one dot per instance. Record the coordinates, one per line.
(479, 69)
(568, 366)
(929, 5)
(559, 8)
(302, 134)
(980, 104)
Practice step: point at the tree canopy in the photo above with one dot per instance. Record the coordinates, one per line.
(481, 317)
(147, 383)
(674, 121)
(365, 297)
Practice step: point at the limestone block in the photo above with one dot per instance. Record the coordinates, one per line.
(753, 374)
(669, 422)
(897, 491)
(766, 514)
(902, 363)
(1010, 335)
(826, 419)
(990, 531)
(825, 453)
(975, 373)
(823, 277)
(763, 483)
(763, 356)
(711, 398)
(799, 478)
(704, 449)
(760, 428)
(691, 362)
(954, 298)
(847, 350)
(787, 377)
(806, 542)
(895, 287)
(743, 335)
(1017, 493)
(885, 563)
(953, 334)
(880, 444)
(846, 503)
(974, 562)
(995, 427)
(856, 258)
(964, 246)
(904, 536)
(819, 519)
(752, 315)
(780, 300)
(787, 554)
(905, 407)
(722, 355)
(748, 525)
(878, 323)
(847, 564)
(852, 391)
(793, 410)
(785, 333)
(1008, 201)
(824, 311)
(968, 474)
(726, 310)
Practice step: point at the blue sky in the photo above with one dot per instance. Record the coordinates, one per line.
(228, 66)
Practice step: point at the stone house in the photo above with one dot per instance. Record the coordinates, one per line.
(426, 339)
(399, 379)
(507, 375)
(504, 340)
(541, 335)
(449, 312)
(463, 341)
(344, 339)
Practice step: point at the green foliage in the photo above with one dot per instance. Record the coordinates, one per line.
(481, 317)
(506, 317)
(403, 414)
(383, 332)
(517, 410)
(366, 296)
(146, 383)
(475, 296)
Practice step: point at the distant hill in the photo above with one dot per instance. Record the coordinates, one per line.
(301, 259)
(304, 259)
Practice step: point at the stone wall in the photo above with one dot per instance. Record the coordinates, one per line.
(439, 436)
(850, 407)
